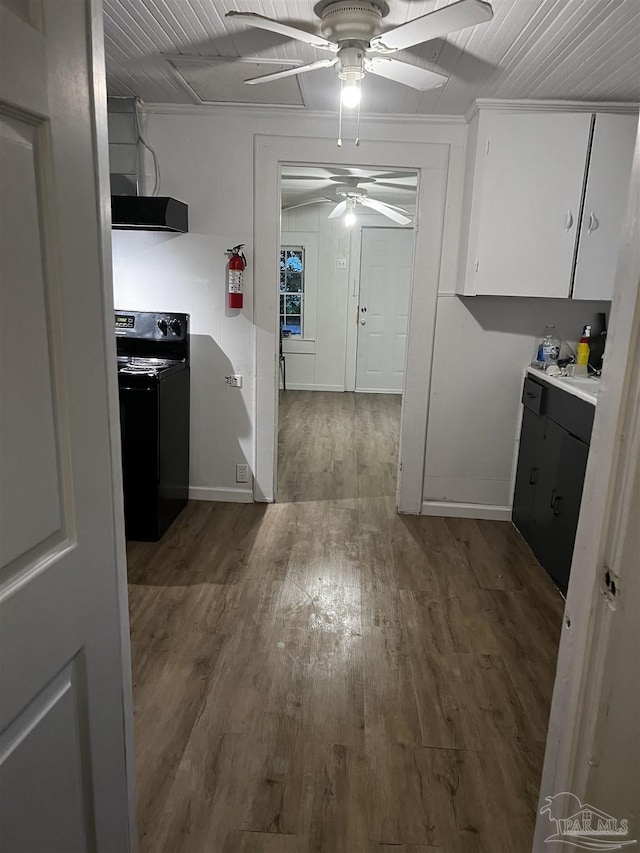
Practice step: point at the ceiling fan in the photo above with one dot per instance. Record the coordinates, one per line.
(352, 30)
(348, 194)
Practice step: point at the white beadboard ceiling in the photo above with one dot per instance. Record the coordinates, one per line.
(541, 49)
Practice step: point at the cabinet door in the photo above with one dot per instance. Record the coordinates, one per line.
(557, 500)
(531, 187)
(605, 204)
(565, 508)
(528, 473)
(548, 465)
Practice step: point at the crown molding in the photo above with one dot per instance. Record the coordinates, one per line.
(298, 112)
(552, 106)
(286, 111)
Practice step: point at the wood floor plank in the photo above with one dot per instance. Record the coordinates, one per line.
(338, 818)
(321, 675)
(241, 841)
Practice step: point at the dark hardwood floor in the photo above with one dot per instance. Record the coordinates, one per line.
(321, 675)
(333, 445)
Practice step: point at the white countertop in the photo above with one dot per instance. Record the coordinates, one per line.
(586, 389)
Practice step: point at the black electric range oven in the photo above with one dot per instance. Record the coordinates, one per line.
(154, 384)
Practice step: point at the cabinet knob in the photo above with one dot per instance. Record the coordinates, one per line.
(363, 322)
(568, 221)
(593, 223)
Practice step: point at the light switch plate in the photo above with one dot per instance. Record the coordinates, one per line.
(234, 381)
(341, 263)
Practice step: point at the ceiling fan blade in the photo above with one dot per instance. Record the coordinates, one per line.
(322, 178)
(406, 187)
(393, 176)
(290, 72)
(449, 19)
(309, 201)
(385, 210)
(264, 23)
(338, 210)
(402, 72)
(395, 207)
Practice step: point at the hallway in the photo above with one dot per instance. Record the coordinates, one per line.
(333, 446)
(322, 675)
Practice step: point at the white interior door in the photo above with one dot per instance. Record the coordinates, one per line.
(385, 281)
(63, 769)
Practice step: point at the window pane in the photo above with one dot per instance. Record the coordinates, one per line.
(293, 324)
(291, 288)
(293, 304)
(294, 282)
(294, 261)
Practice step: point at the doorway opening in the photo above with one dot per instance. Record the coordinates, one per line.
(345, 270)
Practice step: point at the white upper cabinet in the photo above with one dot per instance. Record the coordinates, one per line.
(522, 233)
(604, 205)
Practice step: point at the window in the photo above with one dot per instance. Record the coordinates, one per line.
(291, 289)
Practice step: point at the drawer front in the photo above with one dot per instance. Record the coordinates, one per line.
(572, 413)
(532, 395)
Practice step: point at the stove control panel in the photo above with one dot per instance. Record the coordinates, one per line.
(125, 321)
(151, 326)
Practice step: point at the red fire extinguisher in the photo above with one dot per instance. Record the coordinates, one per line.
(237, 264)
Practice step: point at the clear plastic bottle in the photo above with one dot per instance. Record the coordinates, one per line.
(547, 349)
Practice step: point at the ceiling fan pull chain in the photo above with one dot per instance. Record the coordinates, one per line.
(339, 142)
(358, 127)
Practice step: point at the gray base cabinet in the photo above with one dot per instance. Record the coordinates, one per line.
(552, 460)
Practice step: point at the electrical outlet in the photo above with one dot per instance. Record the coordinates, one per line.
(242, 472)
(234, 381)
(341, 263)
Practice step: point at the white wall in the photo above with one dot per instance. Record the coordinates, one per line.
(319, 361)
(482, 345)
(207, 161)
(186, 272)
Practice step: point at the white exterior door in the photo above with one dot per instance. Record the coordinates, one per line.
(385, 281)
(64, 669)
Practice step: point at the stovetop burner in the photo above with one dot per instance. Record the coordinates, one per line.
(139, 366)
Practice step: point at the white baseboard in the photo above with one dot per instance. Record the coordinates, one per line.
(300, 386)
(449, 509)
(239, 496)
(377, 391)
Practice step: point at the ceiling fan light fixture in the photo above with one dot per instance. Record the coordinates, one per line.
(350, 93)
(349, 218)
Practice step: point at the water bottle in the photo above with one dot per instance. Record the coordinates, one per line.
(547, 349)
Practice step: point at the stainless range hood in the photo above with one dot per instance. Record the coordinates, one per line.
(149, 213)
(130, 209)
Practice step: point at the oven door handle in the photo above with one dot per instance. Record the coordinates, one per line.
(129, 388)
